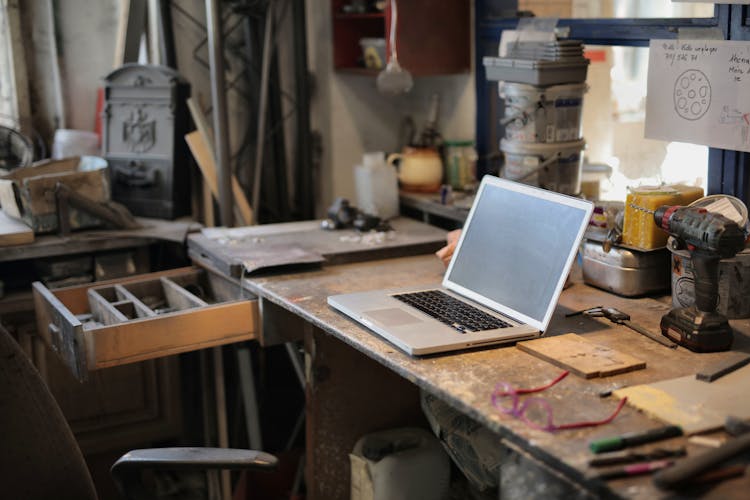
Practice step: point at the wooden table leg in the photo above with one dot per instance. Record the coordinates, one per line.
(347, 395)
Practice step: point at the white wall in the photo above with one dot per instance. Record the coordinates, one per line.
(353, 117)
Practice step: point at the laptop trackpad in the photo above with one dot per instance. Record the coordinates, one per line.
(392, 316)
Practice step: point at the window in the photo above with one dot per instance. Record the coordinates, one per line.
(616, 34)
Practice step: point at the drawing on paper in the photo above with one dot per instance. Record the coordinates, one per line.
(692, 94)
(739, 121)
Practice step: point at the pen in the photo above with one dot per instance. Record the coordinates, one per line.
(629, 457)
(634, 439)
(634, 469)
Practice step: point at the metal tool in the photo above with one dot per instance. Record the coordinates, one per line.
(683, 472)
(709, 237)
(620, 318)
(629, 456)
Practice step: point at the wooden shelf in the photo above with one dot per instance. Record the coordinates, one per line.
(357, 70)
(366, 15)
(431, 40)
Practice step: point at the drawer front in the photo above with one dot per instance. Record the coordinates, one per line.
(104, 324)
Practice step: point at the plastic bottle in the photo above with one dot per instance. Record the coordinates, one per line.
(376, 183)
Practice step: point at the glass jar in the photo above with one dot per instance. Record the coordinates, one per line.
(460, 164)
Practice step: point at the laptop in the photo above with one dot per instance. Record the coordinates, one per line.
(503, 281)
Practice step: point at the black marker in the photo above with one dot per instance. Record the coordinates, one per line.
(634, 439)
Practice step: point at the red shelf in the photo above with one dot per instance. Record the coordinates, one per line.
(431, 41)
(366, 15)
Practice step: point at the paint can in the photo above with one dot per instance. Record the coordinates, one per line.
(734, 282)
(542, 114)
(734, 273)
(556, 166)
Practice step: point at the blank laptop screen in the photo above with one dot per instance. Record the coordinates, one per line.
(515, 248)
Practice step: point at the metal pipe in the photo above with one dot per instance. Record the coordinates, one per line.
(219, 100)
(303, 173)
(261, 137)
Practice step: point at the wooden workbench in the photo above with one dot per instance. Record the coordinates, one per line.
(359, 383)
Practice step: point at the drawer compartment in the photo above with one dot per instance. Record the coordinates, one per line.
(110, 323)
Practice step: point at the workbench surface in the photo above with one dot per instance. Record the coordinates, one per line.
(466, 379)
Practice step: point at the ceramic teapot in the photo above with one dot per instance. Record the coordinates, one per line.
(419, 169)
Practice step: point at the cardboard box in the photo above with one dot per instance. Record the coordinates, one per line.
(28, 193)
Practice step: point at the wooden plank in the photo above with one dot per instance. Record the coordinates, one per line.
(242, 206)
(582, 357)
(18, 39)
(178, 297)
(60, 330)
(103, 311)
(141, 309)
(14, 231)
(207, 165)
(130, 25)
(733, 361)
(171, 333)
(693, 404)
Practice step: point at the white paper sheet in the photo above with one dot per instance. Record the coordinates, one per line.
(699, 92)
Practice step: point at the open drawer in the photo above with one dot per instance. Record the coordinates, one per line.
(110, 323)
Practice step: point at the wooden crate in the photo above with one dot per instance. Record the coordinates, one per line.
(28, 193)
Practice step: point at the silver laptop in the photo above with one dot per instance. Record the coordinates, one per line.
(503, 281)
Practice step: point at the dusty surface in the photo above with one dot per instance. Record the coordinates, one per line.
(465, 380)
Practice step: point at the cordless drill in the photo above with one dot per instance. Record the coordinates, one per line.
(709, 237)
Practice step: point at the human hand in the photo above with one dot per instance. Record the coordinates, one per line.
(446, 252)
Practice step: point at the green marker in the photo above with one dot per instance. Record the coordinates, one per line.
(634, 439)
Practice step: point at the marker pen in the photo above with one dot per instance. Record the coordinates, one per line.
(634, 439)
(634, 469)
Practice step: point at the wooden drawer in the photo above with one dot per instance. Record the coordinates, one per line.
(110, 323)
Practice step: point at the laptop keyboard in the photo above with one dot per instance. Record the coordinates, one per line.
(451, 311)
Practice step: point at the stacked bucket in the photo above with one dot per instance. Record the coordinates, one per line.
(543, 84)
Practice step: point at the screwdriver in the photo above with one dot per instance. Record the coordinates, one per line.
(620, 318)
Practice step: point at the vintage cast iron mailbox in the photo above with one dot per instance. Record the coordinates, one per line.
(144, 120)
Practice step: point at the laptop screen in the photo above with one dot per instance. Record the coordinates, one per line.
(517, 247)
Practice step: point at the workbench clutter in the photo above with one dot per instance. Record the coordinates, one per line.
(706, 237)
(542, 81)
(60, 195)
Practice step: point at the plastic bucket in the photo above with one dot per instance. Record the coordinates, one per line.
(543, 114)
(555, 166)
(734, 283)
(69, 143)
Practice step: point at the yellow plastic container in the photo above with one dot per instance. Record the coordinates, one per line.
(639, 229)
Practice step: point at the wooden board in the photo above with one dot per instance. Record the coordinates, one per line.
(13, 231)
(693, 404)
(582, 357)
(204, 159)
(229, 249)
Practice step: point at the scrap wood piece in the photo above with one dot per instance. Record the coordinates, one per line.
(728, 363)
(693, 404)
(242, 206)
(582, 357)
(205, 161)
(14, 231)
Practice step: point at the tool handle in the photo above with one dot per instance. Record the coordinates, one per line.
(691, 467)
(706, 272)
